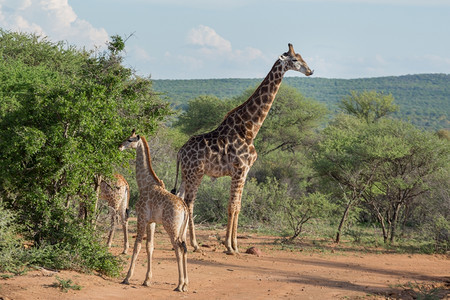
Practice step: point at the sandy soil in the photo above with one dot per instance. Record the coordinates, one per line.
(296, 273)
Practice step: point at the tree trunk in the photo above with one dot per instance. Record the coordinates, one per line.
(97, 181)
(383, 226)
(394, 221)
(343, 219)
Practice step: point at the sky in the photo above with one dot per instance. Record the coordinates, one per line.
(202, 39)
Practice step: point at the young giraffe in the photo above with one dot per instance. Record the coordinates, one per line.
(117, 195)
(228, 150)
(157, 205)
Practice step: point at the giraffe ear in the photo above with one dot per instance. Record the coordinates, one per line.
(138, 137)
(133, 132)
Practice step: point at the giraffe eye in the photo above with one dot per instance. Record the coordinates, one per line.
(130, 141)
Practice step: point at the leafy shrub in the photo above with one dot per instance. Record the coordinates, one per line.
(440, 232)
(10, 242)
(212, 200)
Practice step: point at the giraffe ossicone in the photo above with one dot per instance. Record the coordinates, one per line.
(156, 205)
(228, 150)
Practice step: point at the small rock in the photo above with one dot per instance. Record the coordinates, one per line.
(254, 251)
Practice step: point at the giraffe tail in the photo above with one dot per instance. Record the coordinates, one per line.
(174, 190)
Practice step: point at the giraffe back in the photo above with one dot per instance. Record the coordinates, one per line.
(116, 193)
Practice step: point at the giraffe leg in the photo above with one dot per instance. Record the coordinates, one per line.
(180, 253)
(126, 244)
(234, 230)
(124, 220)
(150, 246)
(136, 250)
(234, 207)
(190, 192)
(184, 261)
(112, 229)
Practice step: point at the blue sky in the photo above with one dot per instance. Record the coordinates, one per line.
(190, 39)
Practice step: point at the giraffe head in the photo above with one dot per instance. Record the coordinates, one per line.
(130, 142)
(294, 61)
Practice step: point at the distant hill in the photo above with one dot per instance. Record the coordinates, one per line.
(424, 99)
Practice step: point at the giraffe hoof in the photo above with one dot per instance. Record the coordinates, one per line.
(229, 252)
(178, 289)
(198, 250)
(125, 282)
(146, 283)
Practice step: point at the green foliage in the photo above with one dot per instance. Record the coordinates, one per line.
(298, 211)
(368, 105)
(423, 99)
(424, 292)
(261, 203)
(116, 45)
(292, 122)
(444, 134)
(212, 200)
(203, 114)
(10, 242)
(62, 114)
(66, 285)
(388, 164)
(440, 234)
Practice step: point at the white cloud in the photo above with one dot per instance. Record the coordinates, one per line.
(208, 39)
(141, 54)
(444, 62)
(53, 18)
(249, 53)
(380, 60)
(211, 45)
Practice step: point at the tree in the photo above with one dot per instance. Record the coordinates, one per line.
(343, 157)
(292, 121)
(284, 140)
(62, 113)
(368, 105)
(298, 212)
(386, 165)
(204, 113)
(410, 160)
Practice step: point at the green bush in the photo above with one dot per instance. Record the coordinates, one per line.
(63, 112)
(212, 200)
(10, 242)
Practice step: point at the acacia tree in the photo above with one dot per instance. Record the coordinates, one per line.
(368, 105)
(204, 113)
(411, 160)
(63, 112)
(385, 165)
(343, 158)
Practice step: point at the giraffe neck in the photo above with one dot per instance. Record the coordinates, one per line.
(144, 170)
(252, 113)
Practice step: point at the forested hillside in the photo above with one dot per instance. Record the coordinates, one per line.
(423, 99)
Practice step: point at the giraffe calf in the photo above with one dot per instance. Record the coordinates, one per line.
(156, 205)
(117, 195)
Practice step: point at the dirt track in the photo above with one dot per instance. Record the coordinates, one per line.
(277, 274)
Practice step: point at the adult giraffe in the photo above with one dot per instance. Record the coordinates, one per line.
(228, 150)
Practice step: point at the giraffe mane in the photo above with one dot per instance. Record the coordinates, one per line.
(149, 160)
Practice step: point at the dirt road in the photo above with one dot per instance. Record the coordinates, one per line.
(276, 274)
